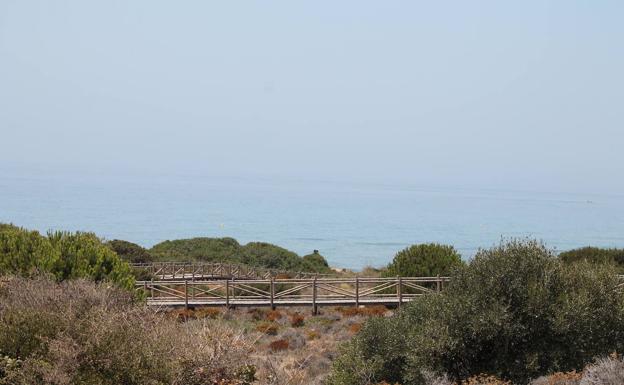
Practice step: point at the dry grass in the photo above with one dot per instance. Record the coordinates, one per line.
(80, 332)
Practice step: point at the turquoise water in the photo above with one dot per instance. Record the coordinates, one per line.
(353, 225)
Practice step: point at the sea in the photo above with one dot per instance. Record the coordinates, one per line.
(352, 224)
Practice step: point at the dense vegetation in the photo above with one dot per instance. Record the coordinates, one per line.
(130, 252)
(228, 250)
(64, 255)
(424, 260)
(515, 311)
(595, 255)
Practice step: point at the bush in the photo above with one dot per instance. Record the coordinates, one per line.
(316, 262)
(424, 260)
(198, 249)
(77, 332)
(595, 255)
(228, 250)
(62, 254)
(515, 312)
(129, 251)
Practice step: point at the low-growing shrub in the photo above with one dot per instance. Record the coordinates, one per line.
(348, 311)
(373, 311)
(355, 327)
(78, 332)
(273, 315)
(312, 334)
(279, 345)
(297, 320)
(268, 328)
(605, 371)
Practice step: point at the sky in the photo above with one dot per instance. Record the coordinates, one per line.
(494, 94)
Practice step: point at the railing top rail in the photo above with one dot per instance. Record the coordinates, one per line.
(300, 280)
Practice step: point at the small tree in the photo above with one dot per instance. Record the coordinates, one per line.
(424, 260)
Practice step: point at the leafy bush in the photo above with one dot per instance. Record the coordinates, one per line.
(595, 255)
(129, 251)
(62, 254)
(199, 249)
(424, 260)
(515, 312)
(316, 262)
(228, 250)
(77, 332)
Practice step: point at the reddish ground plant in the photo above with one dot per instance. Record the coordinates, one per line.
(269, 328)
(273, 315)
(297, 320)
(279, 345)
(207, 312)
(354, 328)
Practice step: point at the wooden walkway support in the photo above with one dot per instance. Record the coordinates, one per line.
(275, 292)
(193, 271)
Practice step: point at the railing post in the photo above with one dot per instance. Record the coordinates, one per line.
(272, 293)
(357, 292)
(314, 308)
(186, 294)
(438, 283)
(152, 289)
(399, 290)
(227, 293)
(145, 287)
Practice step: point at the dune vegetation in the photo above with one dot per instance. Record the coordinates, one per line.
(259, 254)
(517, 313)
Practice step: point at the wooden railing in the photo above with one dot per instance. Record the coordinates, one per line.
(204, 270)
(273, 292)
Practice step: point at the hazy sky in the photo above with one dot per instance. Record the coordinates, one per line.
(525, 94)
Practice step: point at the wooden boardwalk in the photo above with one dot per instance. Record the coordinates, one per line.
(167, 271)
(312, 292)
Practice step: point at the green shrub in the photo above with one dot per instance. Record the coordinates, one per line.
(424, 260)
(228, 250)
(595, 255)
(198, 249)
(515, 312)
(62, 254)
(316, 262)
(129, 251)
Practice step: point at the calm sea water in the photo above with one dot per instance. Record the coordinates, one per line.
(353, 225)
